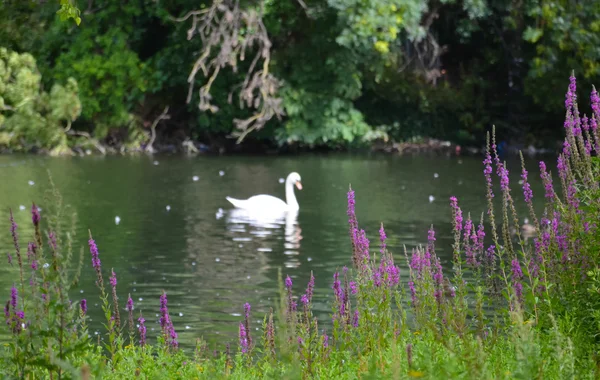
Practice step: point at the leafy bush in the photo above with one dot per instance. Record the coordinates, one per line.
(30, 117)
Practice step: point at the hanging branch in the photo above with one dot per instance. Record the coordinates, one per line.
(163, 116)
(228, 34)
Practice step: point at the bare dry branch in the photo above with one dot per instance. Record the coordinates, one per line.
(163, 116)
(89, 137)
(228, 34)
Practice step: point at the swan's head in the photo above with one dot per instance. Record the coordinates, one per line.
(294, 179)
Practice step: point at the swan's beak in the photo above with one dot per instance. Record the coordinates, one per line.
(299, 185)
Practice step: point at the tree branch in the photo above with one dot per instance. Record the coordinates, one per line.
(163, 116)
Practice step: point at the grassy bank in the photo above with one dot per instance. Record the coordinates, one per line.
(426, 322)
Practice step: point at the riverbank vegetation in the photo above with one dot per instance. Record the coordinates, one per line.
(198, 75)
(503, 308)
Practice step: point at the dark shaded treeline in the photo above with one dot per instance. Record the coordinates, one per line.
(326, 73)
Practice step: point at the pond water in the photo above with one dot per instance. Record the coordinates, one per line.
(178, 233)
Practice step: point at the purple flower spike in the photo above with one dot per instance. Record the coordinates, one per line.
(288, 282)
(504, 182)
(382, 238)
(243, 339)
(355, 319)
(164, 311)
(517, 275)
(458, 218)
(35, 215)
(571, 96)
(113, 279)
(487, 171)
(247, 310)
(353, 287)
(304, 300)
(548, 187)
(142, 331)
(9, 257)
(14, 295)
(527, 192)
(310, 288)
(83, 306)
(129, 306)
(95, 255)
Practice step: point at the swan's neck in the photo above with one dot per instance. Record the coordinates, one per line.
(290, 197)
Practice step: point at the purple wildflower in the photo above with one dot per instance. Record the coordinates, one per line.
(113, 279)
(14, 295)
(527, 192)
(504, 182)
(325, 340)
(562, 167)
(129, 305)
(142, 330)
(595, 100)
(247, 321)
(458, 219)
(547, 179)
(431, 239)
(382, 238)
(468, 247)
(355, 319)
(94, 251)
(351, 208)
(413, 292)
(243, 338)
(288, 282)
(363, 246)
(377, 279)
(588, 147)
(571, 196)
(20, 315)
(310, 287)
(393, 274)
(83, 306)
(585, 123)
(35, 215)
(487, 171)
(304, 300)
(164, 312)
(517, 275)
(337, 288)
(571, 96)
(353, 287)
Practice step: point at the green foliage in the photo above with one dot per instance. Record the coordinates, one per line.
(350, 71)
(112, 82)
(68, 11)
(29, 116)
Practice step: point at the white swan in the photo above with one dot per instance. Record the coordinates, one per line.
(269, 203)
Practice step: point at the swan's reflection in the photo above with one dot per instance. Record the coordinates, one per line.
(263, 228)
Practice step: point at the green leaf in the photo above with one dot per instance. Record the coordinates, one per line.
(532, 34)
